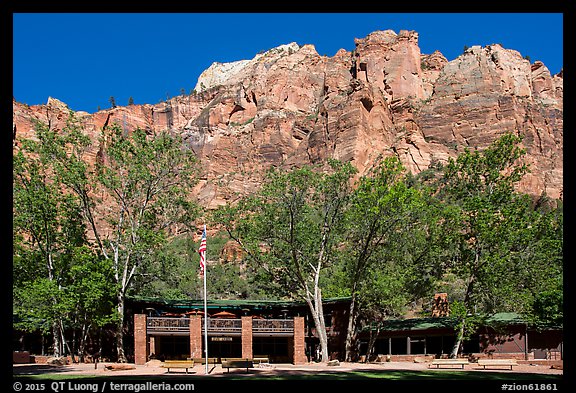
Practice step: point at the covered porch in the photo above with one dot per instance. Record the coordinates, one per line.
(183, 337)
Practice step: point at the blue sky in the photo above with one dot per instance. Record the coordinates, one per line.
(84, 59)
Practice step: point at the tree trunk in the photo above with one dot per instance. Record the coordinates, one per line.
(315, 306)
(56, 338)
(458, 343)
(83, 338)
(65, 342)
(74, 348)
(120, 330)
(99, 352)
(371, 342)
(467, 297)
(322, 329)
(351, 332)
(56, 327)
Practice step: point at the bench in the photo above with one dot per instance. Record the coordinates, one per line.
(203, 360)
(261, 359)
(449, 362)
(497, 362)
(185, 364)
(237, 363)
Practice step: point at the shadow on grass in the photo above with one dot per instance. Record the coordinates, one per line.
(393, 375)
(39, 369)
(55, 373)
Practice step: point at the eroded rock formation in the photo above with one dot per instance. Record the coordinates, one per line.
(291, 106)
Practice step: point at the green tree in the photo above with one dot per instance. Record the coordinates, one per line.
(292, 229)
(112, 101)
(539, 264)
(146, 184)
(37, 218)
(382, 222)
(383, 295)
(171, 275)
(130, 100)
(50, 243)
(137, 196)
(91, 297)
(490, 227)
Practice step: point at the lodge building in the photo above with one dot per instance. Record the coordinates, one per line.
(284, 332)
(170, 329)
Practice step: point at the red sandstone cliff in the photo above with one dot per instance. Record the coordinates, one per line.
(291, 106)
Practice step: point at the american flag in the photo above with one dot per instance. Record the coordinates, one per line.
(202, 251)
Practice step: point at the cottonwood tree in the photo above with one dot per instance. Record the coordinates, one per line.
(51, 248)
(38, 265)
(384, 222)
(548, 290)
(131, 200)
(536, 255)
(292, 228)
(144, 183)
(487, 222)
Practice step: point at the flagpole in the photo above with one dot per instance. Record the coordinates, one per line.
(205, 309)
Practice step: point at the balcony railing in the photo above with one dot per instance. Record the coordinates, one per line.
(181, 326)
(273, 325)
(223, 325)
(167, 325)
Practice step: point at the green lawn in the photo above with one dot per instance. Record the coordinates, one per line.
(391, 375)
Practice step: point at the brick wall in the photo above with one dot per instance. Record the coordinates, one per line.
(196, 336)
(140, 341)
(247, 337)
(21, 357)
(505, 355)
(299, 341)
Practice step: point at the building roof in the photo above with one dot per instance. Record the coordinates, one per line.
(504, 318)
(228, 303)
(416, 324)
(412, 324)
(507, 318)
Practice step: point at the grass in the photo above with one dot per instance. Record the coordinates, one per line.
(384, 375)
(321, 382)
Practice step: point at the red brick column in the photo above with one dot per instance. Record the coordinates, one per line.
(247, 337)
(299, 341)
(196, 336)
(140, 341)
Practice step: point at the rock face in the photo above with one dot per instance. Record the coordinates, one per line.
(290, 106)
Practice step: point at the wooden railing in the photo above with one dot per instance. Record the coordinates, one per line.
(223, 325)
(174, 325)
(167, 325)
(273, 325)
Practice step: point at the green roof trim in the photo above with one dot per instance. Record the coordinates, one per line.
(508, 318)
(494, 320)
(415, 324)
(228, 303)
(511, 318)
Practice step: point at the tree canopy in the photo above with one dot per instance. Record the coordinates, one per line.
(86, 237)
